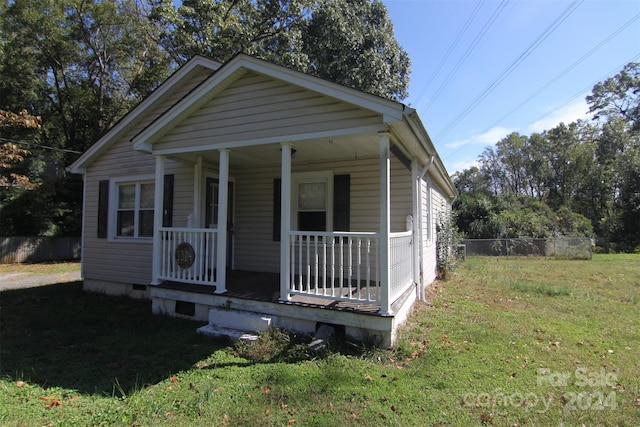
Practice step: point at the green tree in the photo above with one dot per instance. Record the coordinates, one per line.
(618, 96)
(350, 42)
(616, 104)
(80, 65)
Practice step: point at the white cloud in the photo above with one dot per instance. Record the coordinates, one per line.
(489, 137)
(461, 165)
(567, 114)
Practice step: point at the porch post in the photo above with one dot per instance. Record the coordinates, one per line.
(416, 189)
(156, 263)
(197, 192)
(385, 223)
(285, 221)
(223, 197)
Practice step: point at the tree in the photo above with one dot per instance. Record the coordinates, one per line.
(616, 103)
(581, 178)
(11, 155)
(618, 96)
(80, 65)
(349, 42)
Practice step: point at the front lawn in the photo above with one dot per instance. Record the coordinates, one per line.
(505, 341)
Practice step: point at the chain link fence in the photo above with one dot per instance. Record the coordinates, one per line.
(559, 247)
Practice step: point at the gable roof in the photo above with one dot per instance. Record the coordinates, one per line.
(178, 78)
(402, 121)
(239, 65)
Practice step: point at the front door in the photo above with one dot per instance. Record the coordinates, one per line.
(211, 214)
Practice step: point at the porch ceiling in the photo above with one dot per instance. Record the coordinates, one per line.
(340, 147)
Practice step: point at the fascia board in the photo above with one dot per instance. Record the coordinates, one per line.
(392, 111)
(80, 165)
(414, 122)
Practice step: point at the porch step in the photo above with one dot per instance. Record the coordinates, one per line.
(236, 324)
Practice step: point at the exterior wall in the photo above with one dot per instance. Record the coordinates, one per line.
(106, 261)
(258, 107)
(433, 204)
(254, 246)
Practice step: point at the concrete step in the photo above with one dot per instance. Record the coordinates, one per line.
(232, 334)
(236, 324)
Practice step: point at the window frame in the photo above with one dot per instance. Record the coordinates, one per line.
(114, 209)
(325, 177)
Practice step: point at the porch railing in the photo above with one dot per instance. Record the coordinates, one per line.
(346, 266)
(400, 263)
(188, 255)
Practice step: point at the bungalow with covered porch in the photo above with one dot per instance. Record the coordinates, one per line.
(249, 195)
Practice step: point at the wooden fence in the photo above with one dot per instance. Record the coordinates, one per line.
(38, 249)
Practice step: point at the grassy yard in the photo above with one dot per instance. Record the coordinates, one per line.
(505, 342)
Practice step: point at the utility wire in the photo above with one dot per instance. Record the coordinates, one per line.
(582, 91)
(566, 70)
(461, 33)
(467, 52)
(514, 64)
(566, 101)
(63, 150)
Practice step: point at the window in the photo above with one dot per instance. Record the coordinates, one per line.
(312, 206)
(134, 213)
(320, 202)
(312, 199)
(126, 207)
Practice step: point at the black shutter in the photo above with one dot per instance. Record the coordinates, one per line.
(277, 198)
(167, 202)
(103, 208)
(341, 202)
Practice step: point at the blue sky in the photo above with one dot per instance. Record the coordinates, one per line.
(484, 69)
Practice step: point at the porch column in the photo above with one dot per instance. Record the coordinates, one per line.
(416, 190)
(156, 263)
(197, 193)
(385, 223)
(223, 198)
(285, 222)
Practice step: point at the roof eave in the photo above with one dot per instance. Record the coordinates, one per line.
(129, 120)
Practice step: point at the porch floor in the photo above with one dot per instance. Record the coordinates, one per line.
(266, 287)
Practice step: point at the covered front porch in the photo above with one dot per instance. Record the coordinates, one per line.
(366, 270)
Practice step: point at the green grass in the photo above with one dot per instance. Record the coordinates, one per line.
(41, 269)
(505, 342)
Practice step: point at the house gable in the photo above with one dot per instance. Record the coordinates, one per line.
(252, 101)
(161, 99)
(258, 108)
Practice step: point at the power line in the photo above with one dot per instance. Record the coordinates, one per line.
(461, 33)
(582, 91)
(566, 101)
(63, 150)
(514, 64)
(467, 52)
(566, 70)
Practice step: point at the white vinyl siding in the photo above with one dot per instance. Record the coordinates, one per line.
(254, 246)
(433, 204)
(257, 107)
(130, 262)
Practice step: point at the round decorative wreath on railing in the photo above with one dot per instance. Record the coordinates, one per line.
(185, 255)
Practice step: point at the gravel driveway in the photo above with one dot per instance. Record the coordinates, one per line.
(28, 280)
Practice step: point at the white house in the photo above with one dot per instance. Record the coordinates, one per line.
(247, 194)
